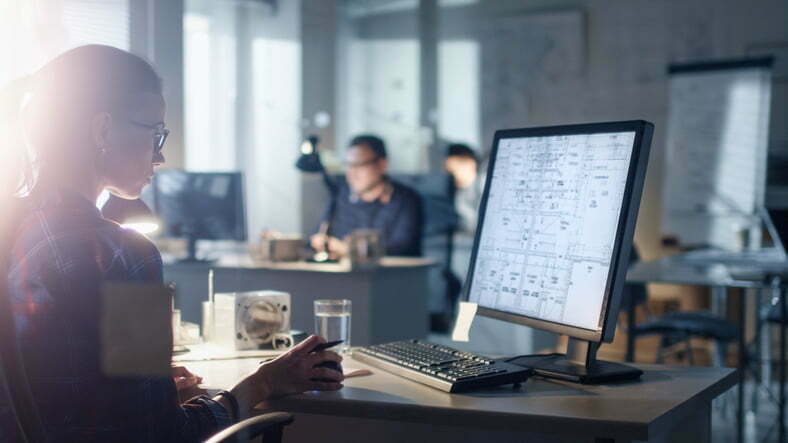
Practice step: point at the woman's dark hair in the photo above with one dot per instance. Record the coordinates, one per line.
(74, 86)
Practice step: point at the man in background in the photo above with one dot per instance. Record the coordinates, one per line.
(369, 199)
(463, 165)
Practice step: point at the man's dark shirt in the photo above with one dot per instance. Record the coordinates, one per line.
(63, 250)
(399, 220)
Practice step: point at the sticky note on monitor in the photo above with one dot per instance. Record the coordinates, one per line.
(462, 327)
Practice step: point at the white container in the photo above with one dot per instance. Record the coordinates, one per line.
(250, 320)
(207, 320)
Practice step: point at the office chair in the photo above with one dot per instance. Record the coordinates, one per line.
(674, 327)
(437, 192)
(771, 315)
(270, 426)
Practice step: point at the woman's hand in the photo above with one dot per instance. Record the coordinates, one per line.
(186, 383)
(184, 379)
(336, 247)
(293, 372)
(319, 242)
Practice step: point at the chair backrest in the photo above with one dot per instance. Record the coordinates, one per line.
(437, 191)
(270, 426)
(437, 194)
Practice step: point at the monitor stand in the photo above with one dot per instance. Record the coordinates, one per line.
(191, 256)
(579, 364)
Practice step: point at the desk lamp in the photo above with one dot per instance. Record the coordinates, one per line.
(309, 161)
(131, 214)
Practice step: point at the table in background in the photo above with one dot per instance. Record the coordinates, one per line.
(721, 276)
(390, 301)
(669, 404)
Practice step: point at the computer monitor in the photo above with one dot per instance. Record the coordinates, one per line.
(555, 231)
(198, 206)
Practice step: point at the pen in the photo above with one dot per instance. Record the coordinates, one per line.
(326, 345)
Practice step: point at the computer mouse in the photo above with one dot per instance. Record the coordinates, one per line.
(330, 365)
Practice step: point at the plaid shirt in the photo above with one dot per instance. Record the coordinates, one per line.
(63, 251)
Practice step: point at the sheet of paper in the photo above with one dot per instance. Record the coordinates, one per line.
(462, 327)
(214, 351)
(136, 330)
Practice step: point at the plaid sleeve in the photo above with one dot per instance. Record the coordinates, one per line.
(55, 284)
(8, 424)
(203, 418)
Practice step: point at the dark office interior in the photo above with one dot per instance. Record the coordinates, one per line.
(394, 220)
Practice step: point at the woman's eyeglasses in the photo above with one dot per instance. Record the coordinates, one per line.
(160, 134)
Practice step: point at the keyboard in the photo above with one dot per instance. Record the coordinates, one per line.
(440, 367)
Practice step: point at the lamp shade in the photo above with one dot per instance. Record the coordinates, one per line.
(309, 160)
(309, 163)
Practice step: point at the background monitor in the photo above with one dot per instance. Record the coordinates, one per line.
(198, 205)
(555, 229)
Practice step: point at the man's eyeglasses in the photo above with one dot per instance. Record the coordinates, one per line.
(349, 165)
(160, 134)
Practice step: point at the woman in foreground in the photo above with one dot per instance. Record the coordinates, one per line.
(95, 121)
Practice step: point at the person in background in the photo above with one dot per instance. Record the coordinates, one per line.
(463, 165)
(369, 199)
(95, 119)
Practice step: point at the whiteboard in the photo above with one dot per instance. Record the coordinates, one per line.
(717, 142)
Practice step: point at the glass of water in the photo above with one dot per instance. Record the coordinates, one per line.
(332, 321)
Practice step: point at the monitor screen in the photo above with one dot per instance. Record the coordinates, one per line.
(198, 205)
(550, 220)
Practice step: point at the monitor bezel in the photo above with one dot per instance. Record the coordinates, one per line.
(624, 234)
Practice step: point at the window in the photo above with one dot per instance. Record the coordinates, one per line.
(31, 33)
(383, 97)
(209, 50)
(458, 92)
(242, 87)
(379, 85)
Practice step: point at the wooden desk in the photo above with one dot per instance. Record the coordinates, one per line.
(390, 301)
(670, 404)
